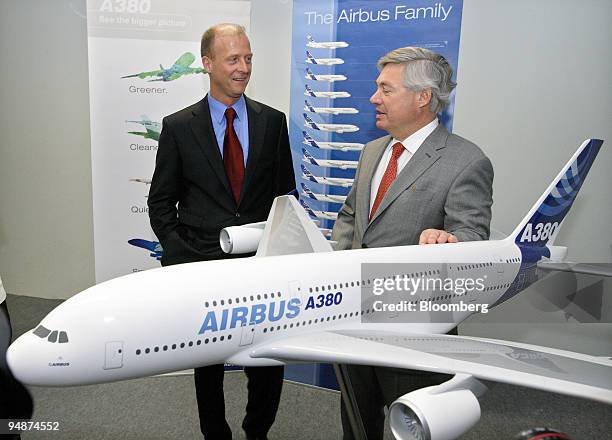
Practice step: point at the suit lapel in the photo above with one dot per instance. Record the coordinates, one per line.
(202, 128)
(427, 154)
(366, 173)
(257, 131)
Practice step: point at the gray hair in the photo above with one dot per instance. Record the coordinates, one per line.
(424, 69)
(208, 38)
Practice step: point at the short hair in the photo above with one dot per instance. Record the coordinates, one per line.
(424, 69)
(208, 38)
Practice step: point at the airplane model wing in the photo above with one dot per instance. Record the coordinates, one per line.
(489, 359)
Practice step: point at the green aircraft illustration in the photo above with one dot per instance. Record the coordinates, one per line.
(178, 69)
(153, 128)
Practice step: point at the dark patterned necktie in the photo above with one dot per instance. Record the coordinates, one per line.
(233, 158)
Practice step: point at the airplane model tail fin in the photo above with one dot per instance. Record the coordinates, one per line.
(310, 122)
(310, 39)
(309, 107)
(289, 230)
(308, 192)
(308, 157)
(310, 75)
(309, 140)
(307, 174)
(541, 224)
(309, 91)
(307, 208)
(311, 59)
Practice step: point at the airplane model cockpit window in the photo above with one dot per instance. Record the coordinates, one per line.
(52, 336)
(63, 337)
(42, 332)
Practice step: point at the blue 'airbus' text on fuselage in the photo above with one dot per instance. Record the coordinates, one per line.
(230, 318)
(256, 314)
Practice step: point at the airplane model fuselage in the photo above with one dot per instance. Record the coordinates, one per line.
(330, 110)
(323, 61)
(329, 95)
(123, 328)
(154, 247)
(336, 128)
(334, 181)
(153, 129)
(340, 146)
(328, 78)
(178, 69)
(323, 215)
(325, 44)
(330, 198)
(329, 163)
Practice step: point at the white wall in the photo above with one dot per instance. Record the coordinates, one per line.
(533, 83)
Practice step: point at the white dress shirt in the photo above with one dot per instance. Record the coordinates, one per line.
(411, 144)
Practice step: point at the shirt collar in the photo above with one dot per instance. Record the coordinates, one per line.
(217, 109)
(416, 139)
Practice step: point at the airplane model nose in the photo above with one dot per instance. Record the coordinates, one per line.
(19, 361)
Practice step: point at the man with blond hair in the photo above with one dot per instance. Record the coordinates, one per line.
(221, 162)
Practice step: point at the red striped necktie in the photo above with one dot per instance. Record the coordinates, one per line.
(388, 177)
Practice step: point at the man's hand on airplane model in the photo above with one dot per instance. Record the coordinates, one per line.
(436, 236)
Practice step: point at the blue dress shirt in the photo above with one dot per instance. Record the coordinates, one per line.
(241, 123)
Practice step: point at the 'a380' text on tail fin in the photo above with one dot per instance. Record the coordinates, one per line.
(541, 224)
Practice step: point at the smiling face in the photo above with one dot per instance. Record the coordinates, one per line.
(229, 66)
(399, 110)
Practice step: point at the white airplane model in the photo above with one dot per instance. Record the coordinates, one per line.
(341, 146)
(296, 300)
(329, 163)
(328, 78)
(329, 95)
(325, 45)
(334, 181)
(330, 198)
(323, 61)
(336, 128)
(330, 110)
(324, 215)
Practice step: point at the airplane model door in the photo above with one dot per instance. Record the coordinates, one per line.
(248, 332)
(114, 355)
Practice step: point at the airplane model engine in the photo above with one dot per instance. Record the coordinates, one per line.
(241, 239)
(441, 412)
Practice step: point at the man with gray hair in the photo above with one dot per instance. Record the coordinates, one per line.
(417, 185)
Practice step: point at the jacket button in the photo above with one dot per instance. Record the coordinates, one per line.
(238, 214)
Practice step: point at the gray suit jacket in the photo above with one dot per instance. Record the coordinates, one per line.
(446, 185)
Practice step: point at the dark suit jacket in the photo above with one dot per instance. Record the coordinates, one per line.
(447, 185)
(190, 199)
